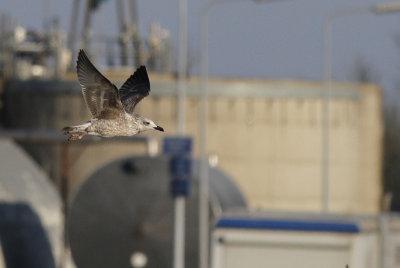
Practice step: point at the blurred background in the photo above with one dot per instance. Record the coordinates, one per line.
(282, 142)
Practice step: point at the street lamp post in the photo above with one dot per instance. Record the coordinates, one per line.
(378, 9)
(203, 174)
(180, 201)
(182, 66)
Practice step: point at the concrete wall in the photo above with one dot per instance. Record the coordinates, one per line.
(267, 136)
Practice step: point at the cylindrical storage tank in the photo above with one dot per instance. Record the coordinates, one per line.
(31, 219)
(122, 216)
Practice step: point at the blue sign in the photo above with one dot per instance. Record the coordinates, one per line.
(177, 145)
(180, 164)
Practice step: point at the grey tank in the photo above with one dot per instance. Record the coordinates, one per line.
(125, 207)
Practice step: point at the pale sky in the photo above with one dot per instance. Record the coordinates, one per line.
(270, 40)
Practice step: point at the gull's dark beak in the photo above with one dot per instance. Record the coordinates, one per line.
(159, 128)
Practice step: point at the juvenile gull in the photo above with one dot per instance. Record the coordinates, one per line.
(112, 109)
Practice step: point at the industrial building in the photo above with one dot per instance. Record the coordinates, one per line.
(266, 136)
(280, 152)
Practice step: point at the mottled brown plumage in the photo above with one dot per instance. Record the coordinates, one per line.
(112, 109)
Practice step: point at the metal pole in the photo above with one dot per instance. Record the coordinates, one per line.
(204, 179)
(327, 95)
(134, 31)
(123, 38)
(72, 32)
(384, 221)
(182, 65)
(179, 232)
(326, 116)
(179, 202)
(58, 50)
(86, 25)
(203, 174)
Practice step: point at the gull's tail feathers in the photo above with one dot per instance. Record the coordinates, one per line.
(76, 129)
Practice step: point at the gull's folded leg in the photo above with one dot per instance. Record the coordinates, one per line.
(75, 137)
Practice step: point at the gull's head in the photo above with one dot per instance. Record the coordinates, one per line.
(146, 124)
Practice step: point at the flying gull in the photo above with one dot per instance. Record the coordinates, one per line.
(112, 109)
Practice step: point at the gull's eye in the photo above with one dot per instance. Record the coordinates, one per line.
(146, 123)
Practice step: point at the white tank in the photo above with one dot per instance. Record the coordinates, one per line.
(26, 195)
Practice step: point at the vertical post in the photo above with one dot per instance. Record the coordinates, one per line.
(179, 202)
(72, 32)
(59, 48)
(179, 148)
(182, 65)
(135, 32)
(384, 220)
(204, 176)
(86, 24)
(64, 190)
(327, 97)
(179, 232)
(123, 32)
(204, 182)
(326, 115)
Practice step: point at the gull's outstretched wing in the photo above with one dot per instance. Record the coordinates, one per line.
(135, 89)
(100, 94)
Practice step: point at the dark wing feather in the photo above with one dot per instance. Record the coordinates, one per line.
(100, 94)
(135, 89)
